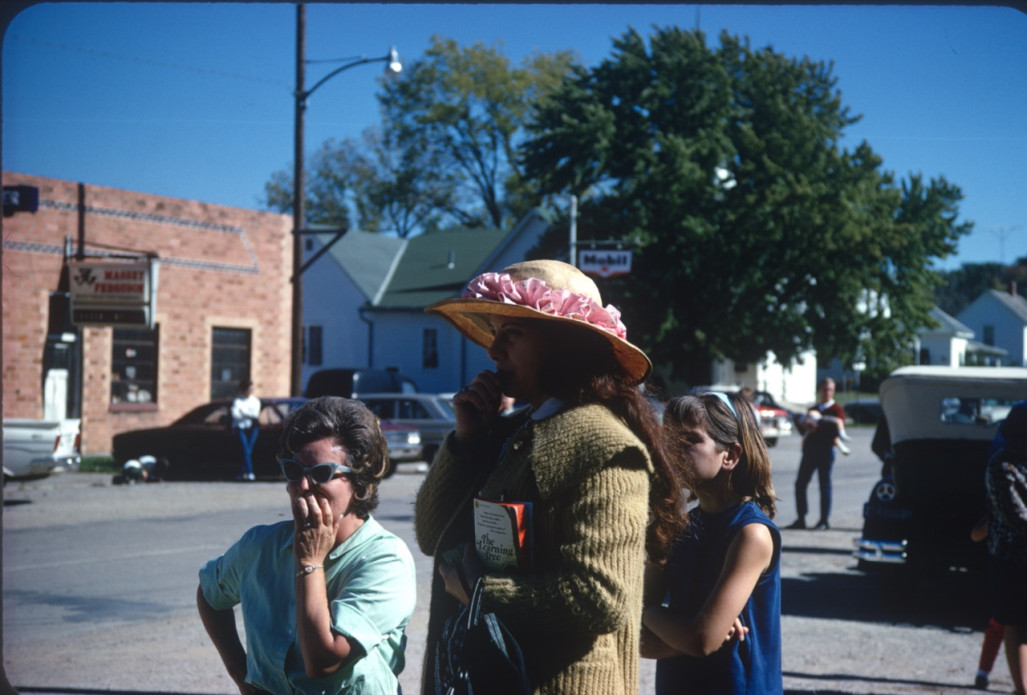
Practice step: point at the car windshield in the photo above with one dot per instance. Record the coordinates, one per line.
(980, 411)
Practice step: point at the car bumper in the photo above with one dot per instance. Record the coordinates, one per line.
(45, 466)
(880, 552)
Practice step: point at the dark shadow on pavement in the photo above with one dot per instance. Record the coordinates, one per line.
(844, 677)
(952, 602)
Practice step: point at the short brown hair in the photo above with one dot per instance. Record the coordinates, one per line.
(356, 428)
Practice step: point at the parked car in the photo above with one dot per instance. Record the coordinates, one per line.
(941, 422)
(201, 444)
(38, 448)
(349, 382)
(775, 421)
(864, 411)
(404, 443)
(431, 413)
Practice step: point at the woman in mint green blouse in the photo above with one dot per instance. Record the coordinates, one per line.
(326, 596)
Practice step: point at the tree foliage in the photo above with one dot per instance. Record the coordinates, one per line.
(963, 285)
(468, 107)
(753, 229)
(445, 153)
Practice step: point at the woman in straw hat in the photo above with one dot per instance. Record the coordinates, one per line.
(588, 455)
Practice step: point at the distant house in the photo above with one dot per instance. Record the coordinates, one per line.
(944, 344)
(365, 300)
(999, 320)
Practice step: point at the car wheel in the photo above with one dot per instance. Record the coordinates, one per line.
(772, 441)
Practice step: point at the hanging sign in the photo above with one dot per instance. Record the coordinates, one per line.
(108, 293)
(605, 264)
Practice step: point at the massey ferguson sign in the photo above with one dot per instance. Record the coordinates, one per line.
(113, 294)
(605, 264)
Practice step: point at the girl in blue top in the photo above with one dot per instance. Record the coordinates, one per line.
(713, 610)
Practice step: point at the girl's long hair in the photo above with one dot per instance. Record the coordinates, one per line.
(582, 369)
(751, 478)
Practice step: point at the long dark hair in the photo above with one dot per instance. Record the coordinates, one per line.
(751, 478)
(584, 370)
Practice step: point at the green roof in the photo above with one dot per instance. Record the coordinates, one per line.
(437, 266)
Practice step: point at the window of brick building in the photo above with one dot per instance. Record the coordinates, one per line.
(134, 367)
(430, 350)
(312, 346)
(229, 361)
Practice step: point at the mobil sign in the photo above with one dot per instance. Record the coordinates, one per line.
(605, 264)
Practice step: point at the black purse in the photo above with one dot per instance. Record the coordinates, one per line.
(477, 655)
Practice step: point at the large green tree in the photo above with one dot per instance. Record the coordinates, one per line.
(467, 106)
(753, 229)
(445, 153)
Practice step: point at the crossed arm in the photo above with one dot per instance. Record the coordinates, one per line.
(667, 634)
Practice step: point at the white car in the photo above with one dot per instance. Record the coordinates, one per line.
(38, 448)
(430, 413)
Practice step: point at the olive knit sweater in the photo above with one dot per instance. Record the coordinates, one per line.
(576, 613)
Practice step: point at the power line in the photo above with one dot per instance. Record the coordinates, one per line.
(146, 61)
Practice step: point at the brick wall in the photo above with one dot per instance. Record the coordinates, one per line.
(219, 267)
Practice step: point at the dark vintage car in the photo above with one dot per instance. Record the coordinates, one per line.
(940, 423)
(201, 445)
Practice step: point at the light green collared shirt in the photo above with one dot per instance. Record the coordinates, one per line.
(371, 590)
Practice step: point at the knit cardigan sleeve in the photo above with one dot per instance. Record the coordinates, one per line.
(447, 488)
(593, 476)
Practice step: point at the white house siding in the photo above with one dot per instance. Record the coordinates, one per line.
(330, 300)
(794, 384)
(1009, 323)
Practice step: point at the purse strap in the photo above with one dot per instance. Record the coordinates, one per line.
(474, 607)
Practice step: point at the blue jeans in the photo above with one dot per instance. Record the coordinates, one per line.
(248, 438)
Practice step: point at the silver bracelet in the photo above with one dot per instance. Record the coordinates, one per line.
(307, 569)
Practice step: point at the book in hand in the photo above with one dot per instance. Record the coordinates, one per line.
(502, 533)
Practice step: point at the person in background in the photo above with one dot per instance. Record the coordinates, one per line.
(993, 632)
(245, 414)
(1006, 483)
(587, 454)
(817, 457)
(327, 594)
(720, 631)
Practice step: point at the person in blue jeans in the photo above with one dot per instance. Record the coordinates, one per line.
(245, 414)
(713, 610)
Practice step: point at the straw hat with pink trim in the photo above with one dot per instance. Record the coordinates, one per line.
(541, 290)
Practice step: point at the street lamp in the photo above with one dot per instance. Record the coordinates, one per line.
(392, 67)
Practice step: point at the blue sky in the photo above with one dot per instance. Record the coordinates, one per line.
(194, 100)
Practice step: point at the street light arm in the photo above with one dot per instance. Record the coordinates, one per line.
(392, 59)
(303, 95)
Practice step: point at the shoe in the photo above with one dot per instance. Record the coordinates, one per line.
(981, 681)
(844, 449)
(797, 524)
(822, 526)
(250, 476)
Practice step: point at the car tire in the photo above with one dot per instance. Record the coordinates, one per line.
(771, 442)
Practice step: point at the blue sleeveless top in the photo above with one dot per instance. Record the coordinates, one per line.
(752, 666)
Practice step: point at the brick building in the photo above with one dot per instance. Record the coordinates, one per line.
(223, 307)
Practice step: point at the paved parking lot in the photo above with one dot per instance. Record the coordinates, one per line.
(99, 587)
